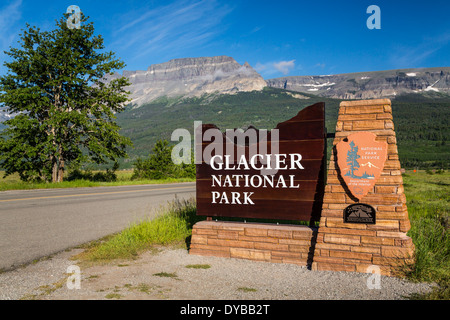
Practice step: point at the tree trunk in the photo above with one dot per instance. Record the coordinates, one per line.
(55, 167)
(61, 171)
(60, 160)
(55, 170)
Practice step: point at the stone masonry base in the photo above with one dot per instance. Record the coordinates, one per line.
(254, 241)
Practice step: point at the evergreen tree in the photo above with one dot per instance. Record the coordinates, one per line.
(55, 85)
(352, 159)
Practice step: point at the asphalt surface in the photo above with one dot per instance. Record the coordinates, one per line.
(39, 223)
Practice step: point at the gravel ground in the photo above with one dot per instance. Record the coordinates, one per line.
(164, 276)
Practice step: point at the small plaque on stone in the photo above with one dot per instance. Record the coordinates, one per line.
(360, 213)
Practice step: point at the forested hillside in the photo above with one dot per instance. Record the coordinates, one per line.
(423, 130)
(421, 122)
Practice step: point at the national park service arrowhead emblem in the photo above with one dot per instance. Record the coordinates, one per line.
(361, 160)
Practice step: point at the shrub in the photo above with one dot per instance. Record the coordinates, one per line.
(108, 176)
(159, 165)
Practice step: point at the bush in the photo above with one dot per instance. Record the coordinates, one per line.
(108, 176)
(159, 165)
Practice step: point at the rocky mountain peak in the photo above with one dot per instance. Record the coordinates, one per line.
(192, 77)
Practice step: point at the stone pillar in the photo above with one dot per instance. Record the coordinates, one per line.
(354, 247)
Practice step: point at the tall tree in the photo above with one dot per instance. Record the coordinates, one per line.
(64, 107)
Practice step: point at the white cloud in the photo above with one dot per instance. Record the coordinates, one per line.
(271, 68)
(171, 28)
(260, 67)
(284, 66)
(251, 32)
(409, 57)
(9, 15)
(320, 65)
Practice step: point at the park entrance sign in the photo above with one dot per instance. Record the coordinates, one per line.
(361, 209)
(275, 175)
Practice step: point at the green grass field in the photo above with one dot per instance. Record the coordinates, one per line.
(13, 182)
(428, 201)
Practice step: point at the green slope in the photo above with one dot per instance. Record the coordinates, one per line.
(421, 121)
(422, 128)
(264, 110)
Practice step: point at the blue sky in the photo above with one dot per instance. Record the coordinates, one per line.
(278, 38)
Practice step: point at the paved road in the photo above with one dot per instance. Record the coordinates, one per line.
(38, 223)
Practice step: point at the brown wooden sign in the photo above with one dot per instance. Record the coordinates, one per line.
(259, 174)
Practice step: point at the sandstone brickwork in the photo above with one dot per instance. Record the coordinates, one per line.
(253, 241)
(354, 247)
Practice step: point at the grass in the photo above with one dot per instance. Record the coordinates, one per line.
(171, 227)
(198, 266)
(148, 289)
(45, 290)
(143, 287)
(245, 289)
(166, 275)
(428, 201)
(13, 182)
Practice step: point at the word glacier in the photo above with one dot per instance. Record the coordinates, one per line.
(278, 159)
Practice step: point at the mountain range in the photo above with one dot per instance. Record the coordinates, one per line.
(219, 90)
(369, 85)
(194, 77)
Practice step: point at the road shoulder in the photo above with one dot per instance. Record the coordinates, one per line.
(173, 274)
